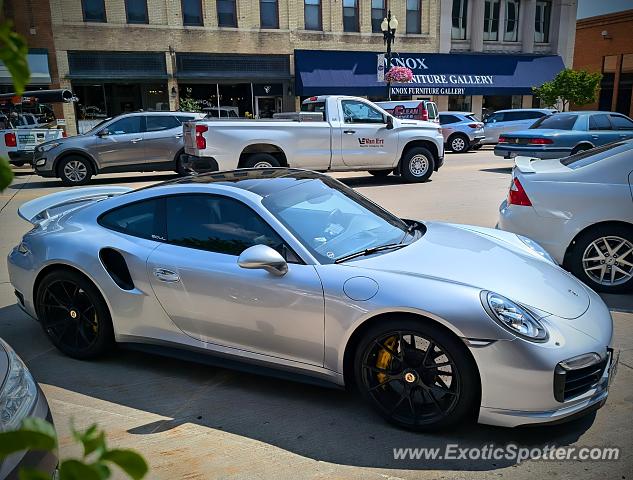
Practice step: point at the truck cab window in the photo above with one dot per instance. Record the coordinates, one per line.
(360, 112)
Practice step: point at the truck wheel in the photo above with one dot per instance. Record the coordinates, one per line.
(459, 143)
(416, 165)
(75, 170)
(380, 173)
(18, 164)
(261, 160)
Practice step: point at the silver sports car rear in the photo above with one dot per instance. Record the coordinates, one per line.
(291, 269)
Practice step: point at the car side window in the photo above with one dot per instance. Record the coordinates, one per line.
(620, 122)
(141, 219)
(535, 115)
(599, 122)
(447, 119)
(219, 224)
(156, 123)
(496, 117)
(125, 125)
(360, 112)
(185, 118)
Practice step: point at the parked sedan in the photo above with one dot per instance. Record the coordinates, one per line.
(461, 130)
(565, 134)
(21, 397)
(580, 209)
(506, 121)
(132, 142)
(292, 270)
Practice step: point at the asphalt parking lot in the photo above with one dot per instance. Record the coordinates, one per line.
(196, 422)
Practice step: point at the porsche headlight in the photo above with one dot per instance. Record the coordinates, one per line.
(48, 146)
(536, 248)
(18, 394)
(515, 318)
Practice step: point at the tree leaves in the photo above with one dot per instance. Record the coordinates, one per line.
(6, 174)
(34, 434)
(129, 461)
(570, 86)
(13, 53)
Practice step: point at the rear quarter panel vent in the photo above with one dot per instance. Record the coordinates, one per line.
(115, 265)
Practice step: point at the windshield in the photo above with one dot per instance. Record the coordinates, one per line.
(333, 221)
(558, 121)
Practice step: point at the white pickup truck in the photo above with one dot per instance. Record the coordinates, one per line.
(341, 134)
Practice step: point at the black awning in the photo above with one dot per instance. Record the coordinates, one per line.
(231, 66)
(116, 65)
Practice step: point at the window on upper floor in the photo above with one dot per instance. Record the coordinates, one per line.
(192, 12)
(511, 28)
(414, 17)
(269, 13)
(378, 14)
(541, 21)
(93, 10)
(491, 20)
(312, 15)
(460, 15)
(227, 13)
(136, 11)
(350, 16)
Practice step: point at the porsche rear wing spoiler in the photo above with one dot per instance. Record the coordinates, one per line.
(45, 207)
(524, 164)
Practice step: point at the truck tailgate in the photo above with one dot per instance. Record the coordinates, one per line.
(28, 139)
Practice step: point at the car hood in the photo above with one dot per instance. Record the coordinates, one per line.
(490, 260)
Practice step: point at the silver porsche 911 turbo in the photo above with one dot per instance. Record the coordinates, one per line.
(290, 269)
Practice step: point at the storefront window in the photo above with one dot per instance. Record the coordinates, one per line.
(609, 65)
(491, 20)
(350, 16)
(312, 14)
(227, 13)
(625, 86)
(268, 13)
(511, 30)
(460, 103)
(94, 10)
(541, 21)
(378, 13)
(460, 14)
(414, 19)
(191, 12)
(136, 11)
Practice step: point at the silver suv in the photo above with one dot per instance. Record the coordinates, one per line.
(132, 142)
(505, 121)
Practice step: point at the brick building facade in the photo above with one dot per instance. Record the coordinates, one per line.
(605, 44)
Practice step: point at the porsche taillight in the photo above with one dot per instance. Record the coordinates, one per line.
(201, 142)
(517, 195)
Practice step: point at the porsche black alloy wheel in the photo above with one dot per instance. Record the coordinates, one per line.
(416, 378)
(73, 315)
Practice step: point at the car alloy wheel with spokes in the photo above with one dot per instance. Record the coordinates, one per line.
(459, 144)
(609, 260)
(73, 314)
(75, 171)
(416, 164)
(417, 379)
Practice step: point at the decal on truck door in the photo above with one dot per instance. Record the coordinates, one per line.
(371, 142)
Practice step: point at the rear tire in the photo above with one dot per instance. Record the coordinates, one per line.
(459, 143)
(416, 165)
(422, 378)
(602, 257)
(477, 147)
(180, 169)
(75, 170)
(74, 315)
(380, 173)
(580, 148)
(261, 160)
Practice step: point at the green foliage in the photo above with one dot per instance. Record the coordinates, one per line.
(188, 104)
(6, 174)
(570, 86)
(97, 458)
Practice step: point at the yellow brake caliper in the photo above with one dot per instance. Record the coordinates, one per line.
(384, 357)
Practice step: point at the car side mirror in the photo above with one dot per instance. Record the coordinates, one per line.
(389, 122)
(263, 257)
(103, 133)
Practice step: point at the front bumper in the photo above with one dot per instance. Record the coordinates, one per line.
(509, 151)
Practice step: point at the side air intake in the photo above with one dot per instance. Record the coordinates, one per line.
(116, 267)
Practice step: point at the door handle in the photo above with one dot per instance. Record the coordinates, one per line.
(178, 135)
(349, 132)
(595, 137)
(165, 275)
(134, 140)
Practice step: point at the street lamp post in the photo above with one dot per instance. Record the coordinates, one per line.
(388, 27)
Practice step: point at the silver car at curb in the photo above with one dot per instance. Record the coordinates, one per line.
(291, 270)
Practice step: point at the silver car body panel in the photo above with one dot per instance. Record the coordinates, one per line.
(493, 129)
(302, 322)
(475, 135)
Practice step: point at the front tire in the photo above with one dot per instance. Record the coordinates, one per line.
(417, 376)
(75, 170)
(416, 165)
(73, 315)
(261, 160)
(459, 143)
(602, 257)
